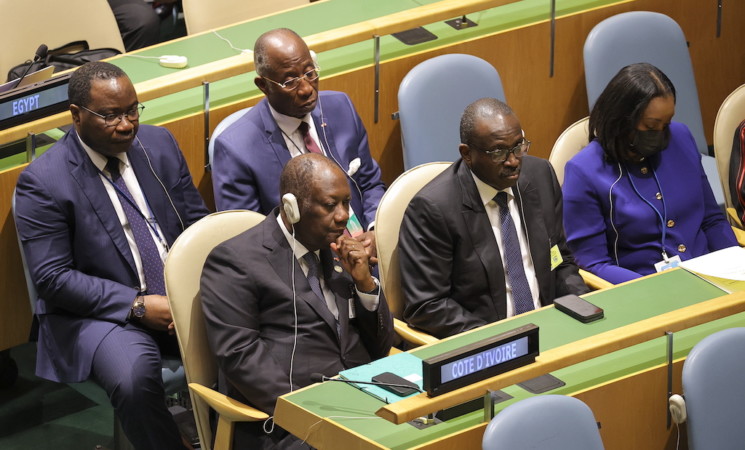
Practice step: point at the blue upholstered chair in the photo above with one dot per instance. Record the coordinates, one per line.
(544, 422)
(714, 387)
(642, 36)
(225, 123)
(431, 100)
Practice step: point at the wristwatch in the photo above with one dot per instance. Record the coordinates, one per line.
(138, 307)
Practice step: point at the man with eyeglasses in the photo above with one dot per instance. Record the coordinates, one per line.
(295, 118)
(484, 240)
(96, 215)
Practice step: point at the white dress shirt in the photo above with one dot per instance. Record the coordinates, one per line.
(487, 194)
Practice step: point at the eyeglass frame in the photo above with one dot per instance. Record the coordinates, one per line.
(304, 76)
(494, 154)
(118, 117)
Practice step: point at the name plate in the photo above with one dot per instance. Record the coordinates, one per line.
(480, 360)
(34, 101)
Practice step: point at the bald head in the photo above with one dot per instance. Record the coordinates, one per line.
(281, 40)
(482, 109)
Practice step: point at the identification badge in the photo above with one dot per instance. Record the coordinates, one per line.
(556, 258)
(670, 264)
(353, 224)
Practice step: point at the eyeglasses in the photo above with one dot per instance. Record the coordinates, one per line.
(294, 83)
(112, 120)
(499, 155)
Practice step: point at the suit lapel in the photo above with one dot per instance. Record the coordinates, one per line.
(530, 207)
(88, 178)
(280, 253)
(274, 136)
(474, 215)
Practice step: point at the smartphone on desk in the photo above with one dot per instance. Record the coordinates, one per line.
(578, 308)
(388, 378)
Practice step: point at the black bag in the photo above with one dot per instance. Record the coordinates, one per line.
(66, 57)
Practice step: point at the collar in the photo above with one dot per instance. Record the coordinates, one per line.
(288, 124)
(98, 159)
(487, 193)
(298, 248)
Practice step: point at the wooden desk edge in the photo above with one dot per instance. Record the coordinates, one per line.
(573, 353)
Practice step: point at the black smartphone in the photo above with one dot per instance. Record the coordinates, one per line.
(392, 378)
(578, 308)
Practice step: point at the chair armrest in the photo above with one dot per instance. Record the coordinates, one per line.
(412, 336)
(593, 281)
(227, 407)
(733, 218)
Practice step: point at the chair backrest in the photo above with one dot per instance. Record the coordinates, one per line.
(431, 100)
(388, 222)
(201, 15)
(24, 25)
(544, 422)
(714, 387)
(222, 126)
(730, 114)
(183, 271)
(569, 143)
(643, 36)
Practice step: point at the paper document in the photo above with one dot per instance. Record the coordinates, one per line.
(724, 268)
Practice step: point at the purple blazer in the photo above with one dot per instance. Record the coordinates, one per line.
(250, 154)
(77, 251)
(617, 235)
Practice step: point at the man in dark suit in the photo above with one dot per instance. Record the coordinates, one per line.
(275, 314)
(456, 241)
(294, 119)
(96, 214)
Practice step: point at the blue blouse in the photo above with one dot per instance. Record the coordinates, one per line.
(614, 224)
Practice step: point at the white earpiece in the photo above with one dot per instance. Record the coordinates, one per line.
(677, 406)
(289, 204)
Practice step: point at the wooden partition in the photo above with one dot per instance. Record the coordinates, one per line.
(546, 105)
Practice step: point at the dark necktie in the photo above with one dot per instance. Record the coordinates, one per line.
(152, 265)
(313, 265)
(310, 144)
(511, 247)
(315, 283)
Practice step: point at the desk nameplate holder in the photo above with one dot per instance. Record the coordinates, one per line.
(34, 101)
(480, 360)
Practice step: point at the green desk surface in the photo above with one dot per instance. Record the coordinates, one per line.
(623, 305)
(319, 17)
(316, 18)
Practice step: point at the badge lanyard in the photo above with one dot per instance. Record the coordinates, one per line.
(663, 215)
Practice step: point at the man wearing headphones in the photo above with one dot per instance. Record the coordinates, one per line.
(291, 297)
(294, 119)
(96, 215)
(477, 245)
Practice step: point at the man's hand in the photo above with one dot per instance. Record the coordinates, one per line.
(157, 313)
(353, 257)
(368, 241)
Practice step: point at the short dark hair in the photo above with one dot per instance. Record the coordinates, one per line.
(481, 108)
(299, 173)
(79, 88)
(261, 63)
(619, 108)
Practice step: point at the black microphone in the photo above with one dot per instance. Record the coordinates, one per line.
(40, 54)
(320, 378)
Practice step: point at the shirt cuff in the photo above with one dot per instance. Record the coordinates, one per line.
(370, 301)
